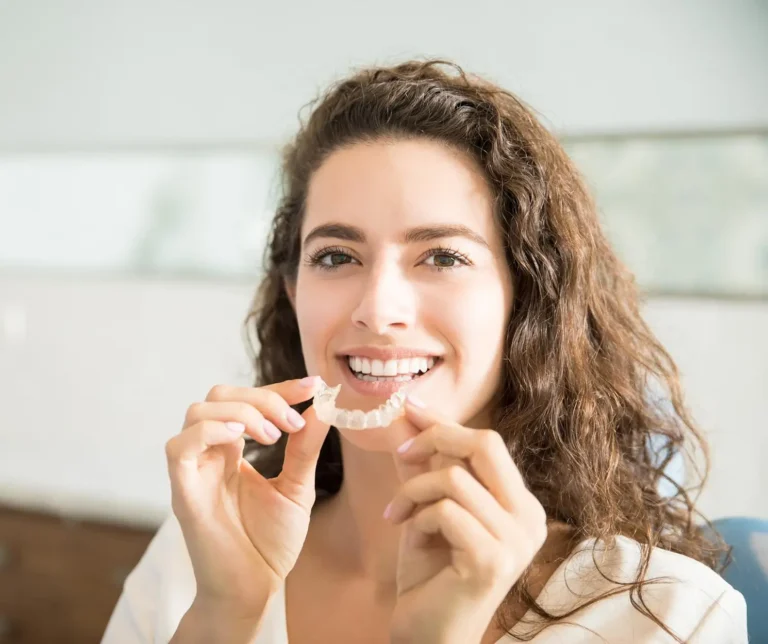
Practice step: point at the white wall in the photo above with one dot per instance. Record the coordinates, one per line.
(721, 349)
(89, 72)
(96, 375)
(104, 371)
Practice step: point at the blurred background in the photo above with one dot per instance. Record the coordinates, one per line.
(139, 145)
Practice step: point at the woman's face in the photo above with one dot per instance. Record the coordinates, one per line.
(402, 266)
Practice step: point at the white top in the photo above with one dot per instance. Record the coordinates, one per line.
(698, 604)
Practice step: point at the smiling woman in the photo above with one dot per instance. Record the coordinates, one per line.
(409, 278)
(430, 225)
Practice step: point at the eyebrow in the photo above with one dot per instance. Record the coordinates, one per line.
(413, 235)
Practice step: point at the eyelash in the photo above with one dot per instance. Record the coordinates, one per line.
(315, 259)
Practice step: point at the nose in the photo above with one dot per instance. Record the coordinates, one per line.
(387, 301)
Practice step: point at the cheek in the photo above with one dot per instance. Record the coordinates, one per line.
(475, 318)
(316, 320)
(474, 322)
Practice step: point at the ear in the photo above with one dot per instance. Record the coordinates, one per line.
(290, 290)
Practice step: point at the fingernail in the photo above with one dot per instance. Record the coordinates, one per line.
(387, 511)
(404, 447)
(309, 381)
(416, 402)
(238, 428)
(270, 430)
(294, 419)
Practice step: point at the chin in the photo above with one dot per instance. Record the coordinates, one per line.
(382, 439)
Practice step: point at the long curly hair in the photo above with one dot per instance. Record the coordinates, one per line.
(581, 368)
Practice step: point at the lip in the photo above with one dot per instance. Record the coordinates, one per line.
(386, 353)
(379, 388)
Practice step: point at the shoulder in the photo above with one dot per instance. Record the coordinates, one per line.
(157, 592)
(687, 596)
(161, 588)
(166, 563)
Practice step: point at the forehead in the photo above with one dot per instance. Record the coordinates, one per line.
(389, 186)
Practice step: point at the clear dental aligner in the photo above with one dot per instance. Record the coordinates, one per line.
(382, 416)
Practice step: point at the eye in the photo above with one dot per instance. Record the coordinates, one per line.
(443, 259)
(329, 258)
(334, 259)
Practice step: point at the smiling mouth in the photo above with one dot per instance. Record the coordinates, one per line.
(402, 370)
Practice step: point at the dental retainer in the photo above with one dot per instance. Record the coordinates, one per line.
(382, 416)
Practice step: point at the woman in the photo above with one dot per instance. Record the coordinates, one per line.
(433, 235)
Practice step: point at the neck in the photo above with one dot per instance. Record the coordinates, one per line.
(350, 527)
(350, 524)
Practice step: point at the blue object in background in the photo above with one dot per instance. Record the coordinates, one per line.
(748, 537)
(748, 570)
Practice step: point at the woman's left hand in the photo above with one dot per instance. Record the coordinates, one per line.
(471, 529)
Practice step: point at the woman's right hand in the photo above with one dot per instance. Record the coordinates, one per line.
(244, 532)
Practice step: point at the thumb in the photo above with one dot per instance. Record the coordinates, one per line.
(419, 418)
(301, 453)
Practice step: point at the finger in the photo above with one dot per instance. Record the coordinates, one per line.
(403, 431)
(292, 391)
(453, 483)
(296, 391)
(483, 449)
(419, 419)
(233, 454)
(476, 555)
(256, 426)
(183, 451)
(273, 401)
(300, 462)
(461, 530)
(409, 470)
(420, 416)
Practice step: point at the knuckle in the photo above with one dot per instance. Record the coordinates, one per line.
(218, 393)
(491, 440)
(455, 476)
(434, 432)
(445, 508)
(194, 413)
(247, 413)
(505, 567)
(536, 528)
(171, 449)
(488, 567)
(438, 436)
(271, 399)
(207, 426)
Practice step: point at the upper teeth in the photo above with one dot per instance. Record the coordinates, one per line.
(390, 367)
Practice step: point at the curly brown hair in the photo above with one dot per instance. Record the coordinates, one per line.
(573, 405)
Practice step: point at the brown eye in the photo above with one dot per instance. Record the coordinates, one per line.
(330, 258)
(336, 259)
(444, 261)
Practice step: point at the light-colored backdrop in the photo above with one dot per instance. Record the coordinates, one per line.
(96, 374)
(85, 72)
(105, 370)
